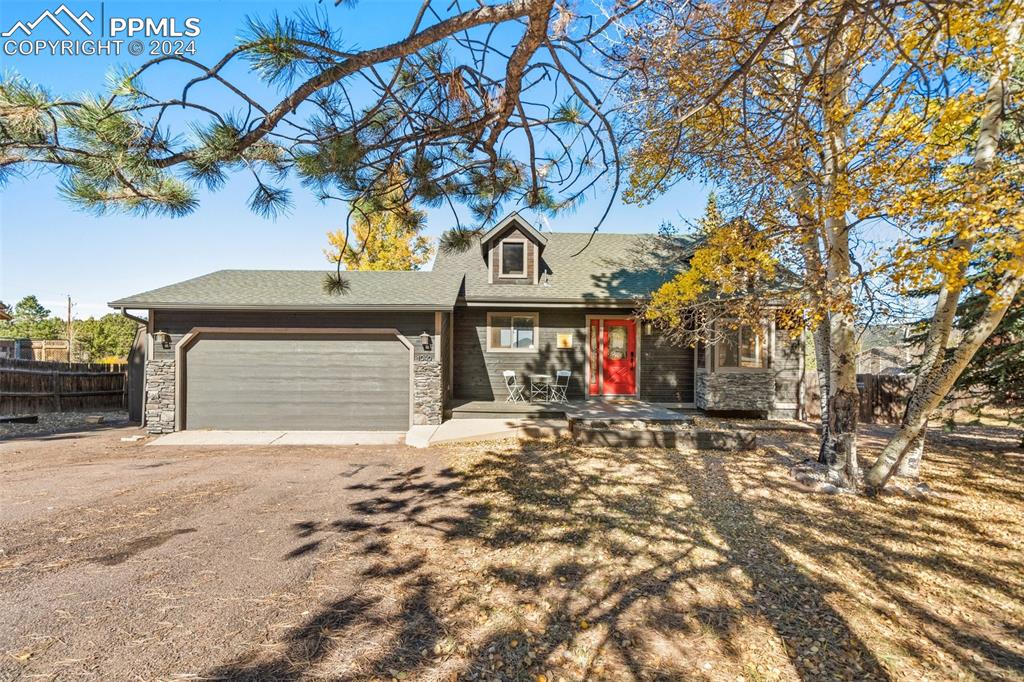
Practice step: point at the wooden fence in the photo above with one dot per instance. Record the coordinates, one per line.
(31, 387)
(47, 350)
(882, 397)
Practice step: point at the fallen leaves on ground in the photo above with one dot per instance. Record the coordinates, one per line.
(552, 562)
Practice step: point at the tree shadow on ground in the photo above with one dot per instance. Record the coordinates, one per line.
(642, 564)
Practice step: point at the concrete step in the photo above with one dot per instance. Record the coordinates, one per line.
(498, 413)
(544, 430)
(695, 439)
(628, 424)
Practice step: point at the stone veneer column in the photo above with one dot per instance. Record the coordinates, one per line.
(428, 399)
(160, 396)
(752, 391)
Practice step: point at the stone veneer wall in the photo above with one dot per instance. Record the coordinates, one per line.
(735, 391)
(428, 392)
(160, 396)
(428, 399)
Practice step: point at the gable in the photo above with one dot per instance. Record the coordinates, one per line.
(601, 268)
(514, 219)
(512, 257)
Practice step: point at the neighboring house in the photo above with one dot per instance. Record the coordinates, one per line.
(886, 349)
(241, 349)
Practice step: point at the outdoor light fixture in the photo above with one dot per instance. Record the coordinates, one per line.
(163, 338)
(648, 328)
(425, 341)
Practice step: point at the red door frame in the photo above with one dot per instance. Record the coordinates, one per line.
(597, 335)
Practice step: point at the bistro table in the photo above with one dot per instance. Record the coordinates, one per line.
(539, 387)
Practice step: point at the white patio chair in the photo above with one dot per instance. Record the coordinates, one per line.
(557, 391)
(515, 389)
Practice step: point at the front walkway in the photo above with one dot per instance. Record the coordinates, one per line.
(474, 421)
(204, 437)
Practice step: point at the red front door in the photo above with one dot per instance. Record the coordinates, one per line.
(618, 358)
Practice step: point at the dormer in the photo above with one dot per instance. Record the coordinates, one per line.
(512, 250)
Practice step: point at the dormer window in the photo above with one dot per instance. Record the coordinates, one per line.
(512, 250)
(512, 258)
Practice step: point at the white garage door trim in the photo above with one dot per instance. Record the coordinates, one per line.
(193, 335)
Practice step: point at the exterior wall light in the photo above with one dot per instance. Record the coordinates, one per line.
(648, 328)
(425, 340)
(163, 338)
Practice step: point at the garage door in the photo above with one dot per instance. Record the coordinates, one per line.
(312, 382)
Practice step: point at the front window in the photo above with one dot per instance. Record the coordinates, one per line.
(513, 259)
(511, 332)
(741, 347)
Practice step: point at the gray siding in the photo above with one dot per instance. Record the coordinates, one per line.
(446, 354)
(478, 373)
(137, 377)
(177, 323)
(666, 371)
(787, 366)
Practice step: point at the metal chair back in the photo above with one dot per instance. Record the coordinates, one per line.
(515, 389)
(559, 389)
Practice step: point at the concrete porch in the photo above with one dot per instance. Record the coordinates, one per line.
(593, 409)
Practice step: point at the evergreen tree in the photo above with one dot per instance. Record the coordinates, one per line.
(995, 376)
(31, 320)
(110, 336)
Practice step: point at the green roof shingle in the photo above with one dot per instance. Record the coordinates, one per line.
(303, 289)
(576, 267)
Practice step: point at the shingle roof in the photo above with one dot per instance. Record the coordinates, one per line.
(514, 217)
(303, 289)
(576, 267)
(609, 268)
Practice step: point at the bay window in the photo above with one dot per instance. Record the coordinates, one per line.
(740, 347)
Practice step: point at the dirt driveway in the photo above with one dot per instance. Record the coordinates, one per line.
(136, 563)
(500, 562)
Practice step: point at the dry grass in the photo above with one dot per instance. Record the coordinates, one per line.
(553, 562)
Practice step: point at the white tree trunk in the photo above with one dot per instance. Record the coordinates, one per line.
(843, 398)
(937, 376)
(930, 390)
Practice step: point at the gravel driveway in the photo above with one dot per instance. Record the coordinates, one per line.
(129, 562)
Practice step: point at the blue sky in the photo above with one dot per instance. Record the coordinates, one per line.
(51, 249)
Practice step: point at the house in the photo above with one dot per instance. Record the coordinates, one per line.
(887, 349)
(240, 349)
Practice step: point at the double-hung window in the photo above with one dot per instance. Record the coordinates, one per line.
(512, 332)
